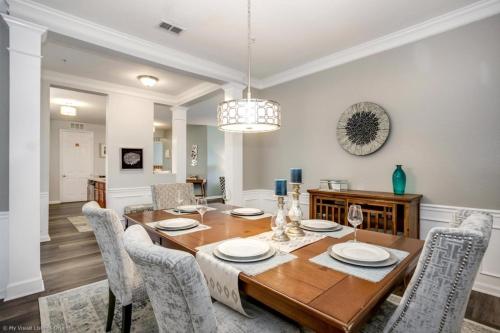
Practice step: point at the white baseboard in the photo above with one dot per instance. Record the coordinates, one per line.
(24, 288)
(55, 202)
(488, 278)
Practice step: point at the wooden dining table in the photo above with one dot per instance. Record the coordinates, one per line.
(314, 296)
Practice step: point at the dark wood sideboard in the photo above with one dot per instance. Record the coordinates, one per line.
(382, 211)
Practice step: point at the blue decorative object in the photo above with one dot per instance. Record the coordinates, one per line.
(399, 180)
(296, 176)
(280, 187)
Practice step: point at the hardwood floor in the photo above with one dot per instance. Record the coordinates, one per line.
(72, 259)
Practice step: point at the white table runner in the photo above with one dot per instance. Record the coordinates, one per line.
(199, 227)
(373, 274)
(294, 243)
(222, 276)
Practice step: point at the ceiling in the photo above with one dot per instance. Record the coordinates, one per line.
(73, 57)
(91, 108)
(288, 33)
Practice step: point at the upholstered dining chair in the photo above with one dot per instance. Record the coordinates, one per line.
(179, 294)
(164, 195)
(437, 295)
(125, 283)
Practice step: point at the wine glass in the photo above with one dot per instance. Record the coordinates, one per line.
(201, 207)
(355, 217)
(178, 198)
(226, 196)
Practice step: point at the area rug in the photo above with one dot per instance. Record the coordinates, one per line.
(85, 309)
(80, 223)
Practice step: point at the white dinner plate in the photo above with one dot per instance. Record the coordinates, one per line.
(187, 209)
(247, 211)
(267, 255)
(389, 262)
(177, 224)
(243, 248)
(319, 224)
(337, 228)
(360, 252)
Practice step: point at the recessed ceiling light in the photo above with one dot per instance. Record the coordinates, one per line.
(68, 110)
(148, 80)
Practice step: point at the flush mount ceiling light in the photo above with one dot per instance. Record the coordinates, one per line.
(148, 80)
(67, 110)
(249, 115)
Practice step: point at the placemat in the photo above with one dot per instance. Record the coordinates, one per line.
(174, 212)
(252, 268)
(372, 274)
(258, 217)
(294, 243)
(200, 227)
(346, 230)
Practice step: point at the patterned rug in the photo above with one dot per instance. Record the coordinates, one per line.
(80, 223)
(84, 309)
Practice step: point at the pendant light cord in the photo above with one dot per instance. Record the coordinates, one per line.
(249, 94)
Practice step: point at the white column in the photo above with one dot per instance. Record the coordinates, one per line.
(25, 40)
(233, 151)
(179, 148)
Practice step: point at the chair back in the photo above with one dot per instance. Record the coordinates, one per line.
(437, 295)
(119, 267)
(164, 195)
(175, 285)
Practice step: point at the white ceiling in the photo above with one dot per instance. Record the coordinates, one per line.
(80, 59)
(91, 108)
(288, 33)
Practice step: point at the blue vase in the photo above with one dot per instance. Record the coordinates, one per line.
(399, 180)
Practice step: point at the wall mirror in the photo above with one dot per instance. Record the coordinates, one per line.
(162, 139)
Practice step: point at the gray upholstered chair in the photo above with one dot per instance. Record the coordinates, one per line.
(180, 297)
(164, 195)
(125, 283)
(437, 295)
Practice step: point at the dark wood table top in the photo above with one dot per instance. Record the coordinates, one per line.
(407, 197)
(315, 296)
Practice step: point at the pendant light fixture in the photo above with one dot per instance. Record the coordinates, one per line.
(249, 115)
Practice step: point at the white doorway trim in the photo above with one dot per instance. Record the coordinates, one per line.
(61, 156)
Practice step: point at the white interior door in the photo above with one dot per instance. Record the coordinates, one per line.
(77, 164)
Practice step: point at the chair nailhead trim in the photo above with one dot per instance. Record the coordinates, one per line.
(422, 273)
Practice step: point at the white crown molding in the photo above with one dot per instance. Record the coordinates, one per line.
(454, 19)
(73, 26)
(195, 92)
(78, 82)
(90, 32)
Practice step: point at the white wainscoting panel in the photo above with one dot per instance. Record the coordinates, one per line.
(488, 279)
(4, 251)
(118, 198)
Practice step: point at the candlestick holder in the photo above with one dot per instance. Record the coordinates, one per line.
(279, 234)
(295, 214)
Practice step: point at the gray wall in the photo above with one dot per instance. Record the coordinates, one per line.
(443, 97)
(99, 132)
(196, 134)
(4, 117)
